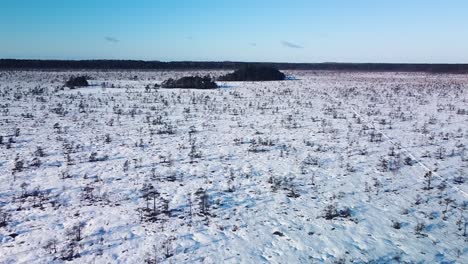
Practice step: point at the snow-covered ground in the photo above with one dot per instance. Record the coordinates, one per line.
(326, 168)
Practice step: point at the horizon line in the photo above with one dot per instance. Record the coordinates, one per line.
(234, 61)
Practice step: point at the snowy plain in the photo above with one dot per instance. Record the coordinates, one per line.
(328, 167)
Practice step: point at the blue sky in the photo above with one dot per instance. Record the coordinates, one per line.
(239, 30)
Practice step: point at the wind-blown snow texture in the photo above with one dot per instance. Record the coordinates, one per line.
(325, 168)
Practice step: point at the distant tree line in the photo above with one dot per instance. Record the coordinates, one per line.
(11, 64)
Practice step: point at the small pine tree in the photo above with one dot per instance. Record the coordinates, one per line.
(203, 202)
(126, 165)
(18, 164)
(39, 152)
(93, 157)
(4, 218)
(51, 246)
(428, 177)
(107, 139)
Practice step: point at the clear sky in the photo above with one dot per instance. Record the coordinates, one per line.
(432, 31)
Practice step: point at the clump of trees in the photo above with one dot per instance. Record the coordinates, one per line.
(188, 82)
(78, 81)
(252, 72)
(332, 212)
